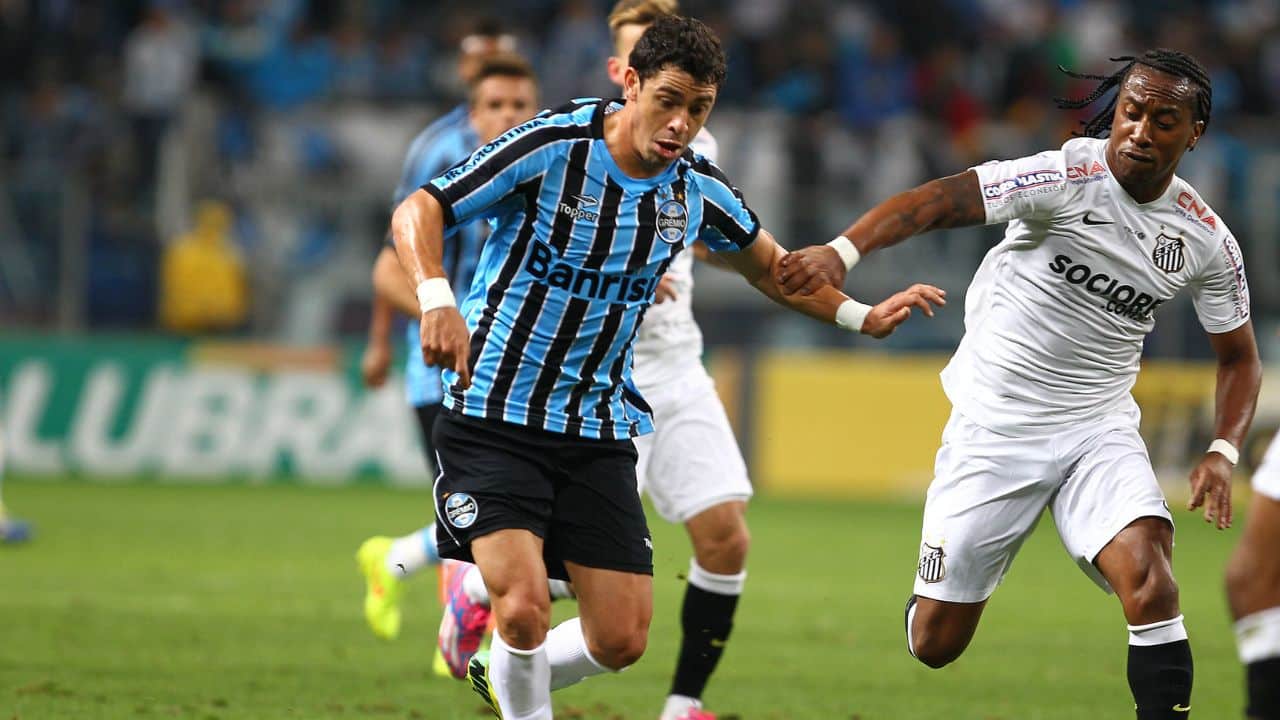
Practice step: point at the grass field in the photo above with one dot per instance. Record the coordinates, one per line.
(144, 601)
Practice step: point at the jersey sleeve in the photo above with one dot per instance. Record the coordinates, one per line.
(1033, 187)
(1220, 292)
(492, 173)
(728, 225)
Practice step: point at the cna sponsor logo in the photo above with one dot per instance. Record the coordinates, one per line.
(1120, 297)
(1045, 180)
(1085, 173)
(584, 282)
(1193, 209)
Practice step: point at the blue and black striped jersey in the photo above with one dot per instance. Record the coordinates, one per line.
(572, 263)
(444, 143)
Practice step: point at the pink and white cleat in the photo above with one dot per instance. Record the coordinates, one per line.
(465, 621)
(679, 707)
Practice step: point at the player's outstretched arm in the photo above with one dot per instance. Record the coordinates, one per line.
(1235, 399)
(391, 285)
(952, 201)
(759, 264)
(417, 228)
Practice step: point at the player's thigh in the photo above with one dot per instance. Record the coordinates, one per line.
(1110, 486)
(426, 415)
(693, 462)
(597, 520)
(493, 476)
(986, 497)
(616, 608)
(1253, 574)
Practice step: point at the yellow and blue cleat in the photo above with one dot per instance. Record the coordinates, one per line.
(13, 530)
(478, 676)
(382, 588)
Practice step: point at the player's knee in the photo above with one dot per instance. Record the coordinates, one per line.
(1240, 576)
(724, 551)
(1155, 596)
(618, 648)
(935, 650)
(523, 618)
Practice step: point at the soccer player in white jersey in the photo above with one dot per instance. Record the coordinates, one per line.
(1100, 235)
(1253, 591)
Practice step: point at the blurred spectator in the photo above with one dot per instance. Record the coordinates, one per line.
(159, 70)
(202, 277)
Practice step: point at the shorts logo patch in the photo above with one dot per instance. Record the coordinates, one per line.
(673, 219)
(932, 567)
(460, 509)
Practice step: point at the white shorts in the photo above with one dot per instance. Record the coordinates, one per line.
(691, 462)
(1266, 479)
(989, 491)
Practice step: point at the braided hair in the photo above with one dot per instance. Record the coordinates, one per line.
(1173, 62)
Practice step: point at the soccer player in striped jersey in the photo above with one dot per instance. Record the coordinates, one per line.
(1253, 591)
(591, 204)
(502, 94)
(1100, 234)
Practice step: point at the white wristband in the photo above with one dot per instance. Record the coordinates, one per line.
(435, 293)
(849, 254)
(851, 314)
(1226, 449)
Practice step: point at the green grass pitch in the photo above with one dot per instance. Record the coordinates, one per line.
(147, 601)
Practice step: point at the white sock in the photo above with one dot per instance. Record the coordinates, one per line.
(1258, 636)
(567, 653)
(1158, 633)
(715, 582)
(560, 590)
(678, 705)
(473, 586)
(521, 680)
(408, 554)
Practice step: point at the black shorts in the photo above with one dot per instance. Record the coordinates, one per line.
(578, 495)
(427, 420)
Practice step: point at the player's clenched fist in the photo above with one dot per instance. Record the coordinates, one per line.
(446, 342)
(884, 318)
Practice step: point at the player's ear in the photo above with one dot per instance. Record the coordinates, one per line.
(615, 66)
(1197, 129)
(631, 84)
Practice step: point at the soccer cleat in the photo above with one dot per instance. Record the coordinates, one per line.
(679, 707)
(697, 714)
(382, 588)
(478, 675)
(13, 530)
(439, 667)
(464, 623)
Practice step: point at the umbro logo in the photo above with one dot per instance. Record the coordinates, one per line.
(1090, 220)
(586, 201)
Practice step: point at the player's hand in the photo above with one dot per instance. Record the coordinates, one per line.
(666, 289)
(1211, 487)
(374, 364)
(810, 268)
(446, 342)
(888, 315)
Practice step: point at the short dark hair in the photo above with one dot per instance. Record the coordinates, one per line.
(1171, 62)
(502, 65)
(681, 42)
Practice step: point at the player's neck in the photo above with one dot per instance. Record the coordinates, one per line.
(619, 138)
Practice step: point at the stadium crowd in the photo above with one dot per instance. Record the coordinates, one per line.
(119, 118)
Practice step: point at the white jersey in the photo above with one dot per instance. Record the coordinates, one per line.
(1056, 314)
(669, 338)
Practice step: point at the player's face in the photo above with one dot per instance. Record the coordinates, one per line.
(478, 48)
(499, 103)
(1154, 124)
(671, 107)
(627, 37)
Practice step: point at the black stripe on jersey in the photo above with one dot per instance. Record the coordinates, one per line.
(515, 258)
(575, 179)
(511, 152)
(646, 231)
(576, 308)
(720, 220)
(601, 245)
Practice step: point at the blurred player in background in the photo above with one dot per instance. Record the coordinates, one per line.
(503, 93)
(1100, 234)
(12, 530)
(592, 203)
(1253, 591)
